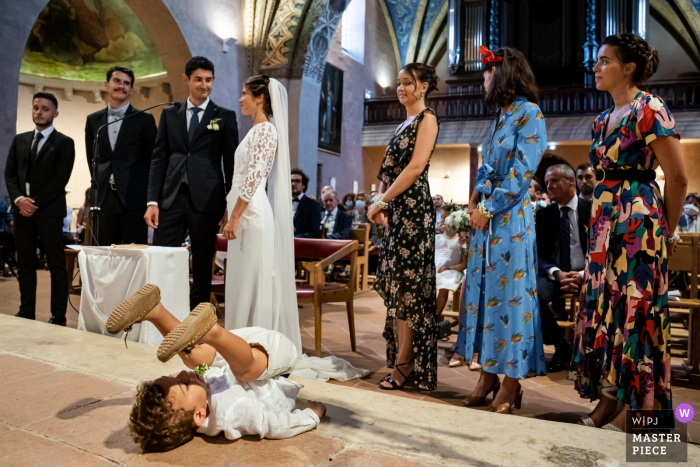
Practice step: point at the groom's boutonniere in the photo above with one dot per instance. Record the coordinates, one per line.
(213, 124)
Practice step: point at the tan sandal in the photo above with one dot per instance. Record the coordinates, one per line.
(186, 334)
(134, 309)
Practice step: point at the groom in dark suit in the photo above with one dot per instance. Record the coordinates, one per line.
(562, 245)
(124, 158)
(38, 169)
(187, 188)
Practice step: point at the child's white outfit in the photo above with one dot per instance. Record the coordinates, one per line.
(447, 253)
(263, 407)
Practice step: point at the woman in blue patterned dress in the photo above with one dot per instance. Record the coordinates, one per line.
(500, 300)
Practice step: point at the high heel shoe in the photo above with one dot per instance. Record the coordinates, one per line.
(474, 401)
(389, 379)
(507, 408)
(456, 360)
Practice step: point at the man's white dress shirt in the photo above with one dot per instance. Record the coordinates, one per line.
(578, 261)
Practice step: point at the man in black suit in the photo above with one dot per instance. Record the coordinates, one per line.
(186, 187)
(37, 172)
(342, 221)
(307, 212)
(123, 161)
(562, 245)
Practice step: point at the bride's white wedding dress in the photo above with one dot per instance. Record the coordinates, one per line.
(260, 284)
(250, 275)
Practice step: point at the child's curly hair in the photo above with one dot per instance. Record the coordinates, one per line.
(154, 424)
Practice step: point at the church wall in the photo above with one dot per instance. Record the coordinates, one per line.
(71, 122)
(378, 72)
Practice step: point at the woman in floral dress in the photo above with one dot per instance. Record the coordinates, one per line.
(621, 343)
(406, 271)
(500, 300)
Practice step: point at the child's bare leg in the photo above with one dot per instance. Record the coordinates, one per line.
(443, 295)
(247, 363)
(165, 322)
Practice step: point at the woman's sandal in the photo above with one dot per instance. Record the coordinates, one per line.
(133, 310)
(389, 380)
(607, 391)
(474, 401)
(186, 334)
(508, 408)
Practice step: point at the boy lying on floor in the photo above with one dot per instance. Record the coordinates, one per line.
(241, 394)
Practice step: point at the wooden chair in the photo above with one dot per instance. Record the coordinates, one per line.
(361, 234)
(71, 256)
(687, 259)
(571, 308)
(315, 290)
(218, 282)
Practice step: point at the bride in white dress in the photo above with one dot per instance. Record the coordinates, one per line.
(260, 285)
(260, 288)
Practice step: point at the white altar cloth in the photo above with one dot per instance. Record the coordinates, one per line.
(111, 275)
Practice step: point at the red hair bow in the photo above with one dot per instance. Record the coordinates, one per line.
(488, 56)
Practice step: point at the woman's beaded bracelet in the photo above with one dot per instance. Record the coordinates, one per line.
(379, 202)
(482, 209)
(675, 239)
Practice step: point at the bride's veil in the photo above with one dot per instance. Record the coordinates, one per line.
(280, 196)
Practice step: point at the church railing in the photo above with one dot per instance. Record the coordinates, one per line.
(559, 101)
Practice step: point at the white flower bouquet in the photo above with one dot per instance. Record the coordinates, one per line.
(459, 222)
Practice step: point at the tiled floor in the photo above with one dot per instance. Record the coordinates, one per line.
(548, 398)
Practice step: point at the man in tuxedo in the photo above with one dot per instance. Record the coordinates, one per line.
(38, 169)
(306, 212)
(123, 161)
(562, 245)
(186, 186)
(342, 221)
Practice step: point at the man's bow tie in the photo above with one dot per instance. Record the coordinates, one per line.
(119, 113)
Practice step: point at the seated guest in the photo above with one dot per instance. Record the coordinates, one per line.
(307, 212)
(543, 200)
(349, 202)
(67, 236)
(689, 220)
(586, 181)
(328, 189)
(534, 190)
(359, 216)
(562, 239)
(337, 223)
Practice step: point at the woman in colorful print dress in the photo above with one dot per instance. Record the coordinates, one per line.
(500, 300)
(406, 271)
(621, 343)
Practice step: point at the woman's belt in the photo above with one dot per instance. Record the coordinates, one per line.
(625, 174)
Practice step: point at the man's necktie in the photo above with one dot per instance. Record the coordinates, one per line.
(194, 122)
(565, 242)
(35, 145)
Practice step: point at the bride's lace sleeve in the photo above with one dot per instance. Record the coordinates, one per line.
(262, 154)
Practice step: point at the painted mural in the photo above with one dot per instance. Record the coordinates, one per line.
(81, 39)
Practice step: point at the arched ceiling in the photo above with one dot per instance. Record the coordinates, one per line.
(682, 17)
(417, 29)
(288, 38)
